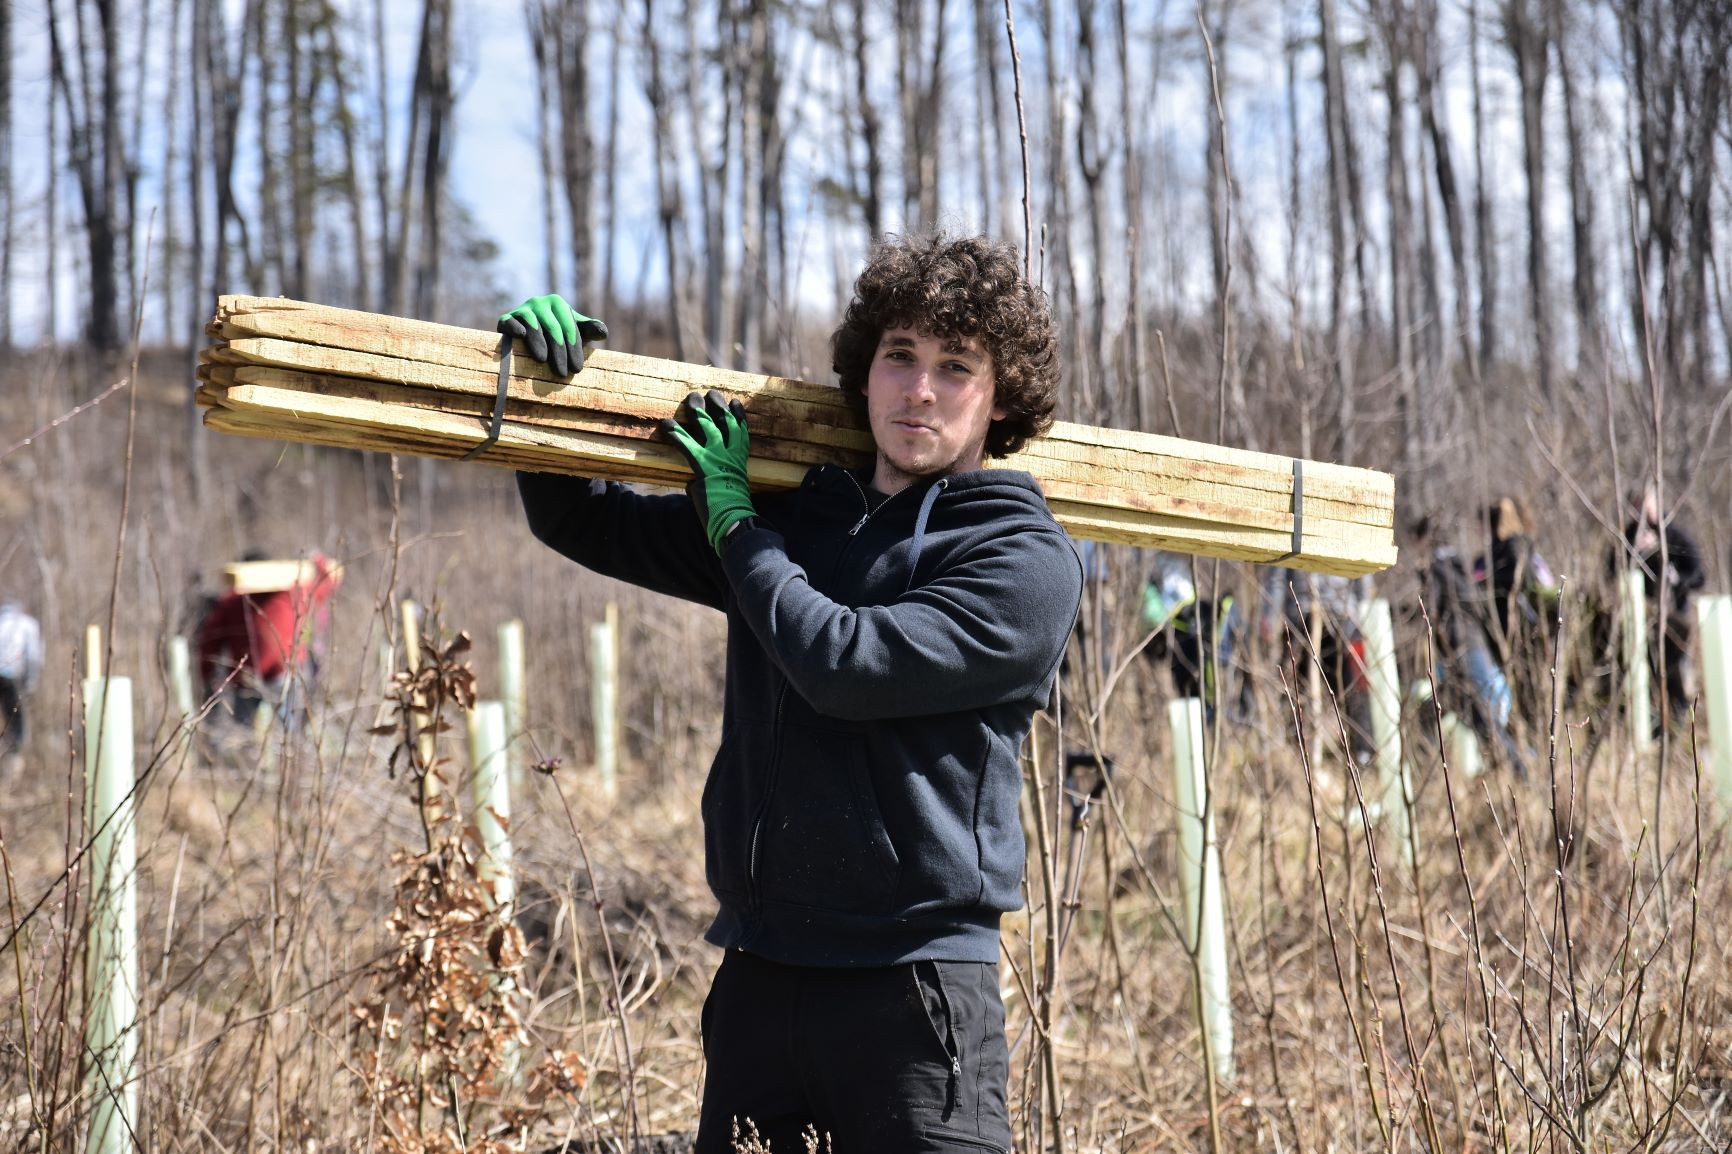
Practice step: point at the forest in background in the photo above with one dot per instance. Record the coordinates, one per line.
(1409, 235)
(1472, 244)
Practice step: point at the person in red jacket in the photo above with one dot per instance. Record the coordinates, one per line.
(257, 647)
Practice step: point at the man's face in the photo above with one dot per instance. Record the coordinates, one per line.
(929, 401)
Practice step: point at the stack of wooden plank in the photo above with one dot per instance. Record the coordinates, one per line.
(292, 371)
(248, 577)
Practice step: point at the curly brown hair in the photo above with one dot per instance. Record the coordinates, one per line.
(957, 287)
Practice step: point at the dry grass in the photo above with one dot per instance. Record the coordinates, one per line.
(1549, 973)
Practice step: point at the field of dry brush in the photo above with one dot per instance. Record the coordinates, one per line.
(1543, 967)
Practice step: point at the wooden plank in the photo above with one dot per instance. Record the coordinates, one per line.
(1142, 482)
(476, 350)
(335, 376)
(646, 384)
(1093, 522)
(383, 407)
(248, 577)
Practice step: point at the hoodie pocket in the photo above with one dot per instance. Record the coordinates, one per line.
(824, 842)
(729, 803)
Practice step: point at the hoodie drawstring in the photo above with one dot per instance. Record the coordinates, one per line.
(926, 504)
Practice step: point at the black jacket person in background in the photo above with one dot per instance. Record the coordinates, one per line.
(891, 634)
(1670, 563)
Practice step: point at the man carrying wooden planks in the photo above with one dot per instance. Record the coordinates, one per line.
(892, 631)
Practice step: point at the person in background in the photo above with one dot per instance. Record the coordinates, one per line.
(1315, 615)
(891, 633)
(1670, 562)
(265, 647)
(20, 666)
(1522, 592)
(1195, 635)
(1466, 677)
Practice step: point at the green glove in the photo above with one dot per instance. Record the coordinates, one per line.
(555, 333)
(717, 454)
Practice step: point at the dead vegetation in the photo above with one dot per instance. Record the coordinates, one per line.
(321, 969)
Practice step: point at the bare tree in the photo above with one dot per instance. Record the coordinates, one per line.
(534, 22)
(391, 242)
(433, 89)
(335, 65)
(132, 145)
(1344, 200)
(920, 94)
(996, 198)
(1711, 58)
(268, 57)
(167, 278)
(224, 102)
(609, 228)
(568, 30)
(198, 69)
(1392, 32)
(1589, 330)
(872, 197)
(1428, 72)
(668, 200)
(714, 168)
(302, 80)
(1526, 33)
(1131, 169)
(6, 200)
(1485, 241)
(90, 95)
(1055, 232)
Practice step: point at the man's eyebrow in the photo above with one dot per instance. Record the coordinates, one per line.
(899, 342)
(956, 345)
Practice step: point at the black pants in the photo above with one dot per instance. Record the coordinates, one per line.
(907, 1058)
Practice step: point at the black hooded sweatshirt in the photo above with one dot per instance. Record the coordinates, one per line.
(885, 659)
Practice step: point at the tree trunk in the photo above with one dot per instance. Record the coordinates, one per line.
(920, 94)
(1590, 335)
(1055, 233)
(351, 175)
(668, 206)
(51, 211)
(167, 276)
(536, 19)
(1341, 180)
(1705, 111)
(774, 206)
(1428, 71)
(272, 273)
(995, 205)
(609, 167)
(390, 239)
(198, 459)
(130, 150)
(747, 348)
(93, 125)
(6, 214)
(712, 188)
(910, 33)
(576, 143)
(1524, 27)
(303, 159)
(1143, 407)
(1097, 403)
(225, 88)
(1485, 242)
(435, 157)
(1401, 259)
(872, 202)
